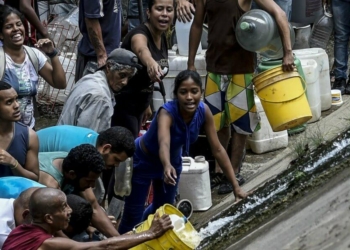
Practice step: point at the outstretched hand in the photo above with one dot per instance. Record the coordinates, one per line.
(170, 175)
(240, 194)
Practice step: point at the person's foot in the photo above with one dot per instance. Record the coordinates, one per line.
(340, 85)
(347, 87)
(240, 179)
(216, 180)
(226, 187)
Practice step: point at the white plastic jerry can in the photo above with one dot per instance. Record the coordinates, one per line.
(194, 182)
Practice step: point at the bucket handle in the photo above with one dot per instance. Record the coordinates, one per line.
(277, 78)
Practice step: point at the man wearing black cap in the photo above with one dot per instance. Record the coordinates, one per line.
(91, 101)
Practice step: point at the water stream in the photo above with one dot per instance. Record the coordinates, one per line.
(277, 194)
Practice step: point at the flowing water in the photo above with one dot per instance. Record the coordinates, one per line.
(277, 195)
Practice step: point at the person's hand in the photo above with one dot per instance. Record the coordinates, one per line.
(240, 194)
(45, 45)
(90, 231)
(184, 10)
(170, 175)
(154, 72)
(160, 225)
(113, 220)
(101, 60)
(6, 158)
(146, 115)
(288, 62)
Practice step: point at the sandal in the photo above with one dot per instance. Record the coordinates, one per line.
(216, 180)
(226, 187)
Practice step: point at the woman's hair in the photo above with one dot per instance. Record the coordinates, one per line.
(5, 11)
(152, 2)
(183, 76)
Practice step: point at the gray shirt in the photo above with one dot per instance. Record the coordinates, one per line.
(90, 103)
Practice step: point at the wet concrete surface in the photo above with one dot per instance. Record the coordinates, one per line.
(258, 169)
(319, 221)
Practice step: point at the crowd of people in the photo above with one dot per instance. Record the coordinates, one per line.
(55, 181)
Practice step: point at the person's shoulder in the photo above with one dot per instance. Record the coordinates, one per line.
(40, 55)
(20, 124)
(92, 84)
(6, 202)
(55, 154)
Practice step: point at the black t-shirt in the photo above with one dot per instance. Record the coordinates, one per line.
(140, 87)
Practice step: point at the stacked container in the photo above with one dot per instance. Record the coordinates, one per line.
(265, 140)
(321, 57)
(177, 64)
(194, 182)
(313, 87)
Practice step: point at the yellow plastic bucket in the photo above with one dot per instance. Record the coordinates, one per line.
(282, 95)
(170, 240)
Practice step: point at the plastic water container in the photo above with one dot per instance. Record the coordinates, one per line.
(178, 222)
(177, 63)
(123, 174)
(306, 11)
(322, 31)
(302, 35)
(321, 57)
(313, 87)
(265, 140)
(257, 31)
(183, 36)
(194, 182)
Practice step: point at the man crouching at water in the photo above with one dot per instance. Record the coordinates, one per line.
(50, 213)
(76, 172)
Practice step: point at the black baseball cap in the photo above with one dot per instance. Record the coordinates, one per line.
(125, 57)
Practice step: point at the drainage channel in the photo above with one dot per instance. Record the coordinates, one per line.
(276, 195)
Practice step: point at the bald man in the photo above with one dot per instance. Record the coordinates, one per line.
(50, 213)
(14, 212)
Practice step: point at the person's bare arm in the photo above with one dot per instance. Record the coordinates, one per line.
(283, 27)
(95, 35)
(220, 154)
(99, 218)
(52, 73)
(158, 228)
(31, 168)
(164, 121)
(48, 180)
(140, 48)
(196, 33)
(28, 11)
